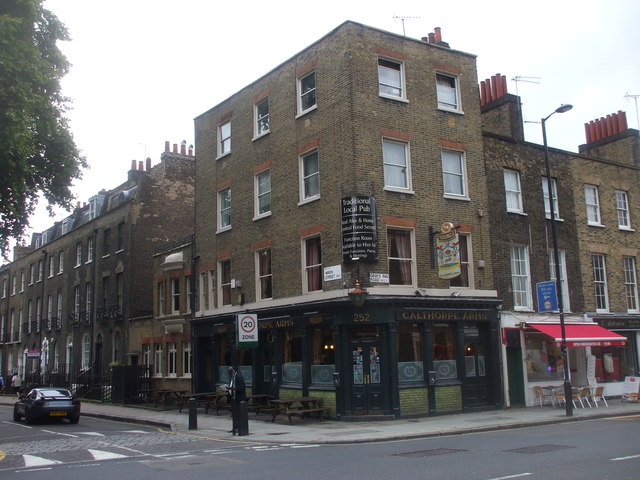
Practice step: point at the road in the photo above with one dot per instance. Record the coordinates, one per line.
(597, 449)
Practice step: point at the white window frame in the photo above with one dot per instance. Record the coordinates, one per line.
(61, 262)
(460, 175)
(307, 266)
(157, 360)
(600, 289)
(224, 209)
(59, 307)
(411, 259)
(78, 254)
(545, 196)
(172, 359)
(52, 266)
(263, 276)
(162, 308)
(385, 82)
(211, 282)
(592, 204)
(389, 146)
(88, 301)
(513, 191)
(466, 264)
(443, 91)
(302, 95)
(175, 295)
(32, 273)
(630, 271)
(564, 285)
(262, 119)
(261, 194)
(622, 210)
(76, 301)
(86, 351)
(224, 283)
(90, 249)
(521, 278)
(146, 354)
(304, 177)
(224, 139)
(186, 359)
(23, 279)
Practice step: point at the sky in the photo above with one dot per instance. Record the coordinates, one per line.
(142, 70)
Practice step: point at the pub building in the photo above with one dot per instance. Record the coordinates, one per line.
(387, 359)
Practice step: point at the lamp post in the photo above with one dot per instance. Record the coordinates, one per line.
(556, 257)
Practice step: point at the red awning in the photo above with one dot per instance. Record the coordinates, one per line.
(581, 334)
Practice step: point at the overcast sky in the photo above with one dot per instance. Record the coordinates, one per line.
(143, 69)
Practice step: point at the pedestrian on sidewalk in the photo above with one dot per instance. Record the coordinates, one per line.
(16, 383)
(1, 383)
(238, 393)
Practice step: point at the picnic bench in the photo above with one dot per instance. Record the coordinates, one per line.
(206, 400)
(159, 396)
(298, 406)
(260, 401)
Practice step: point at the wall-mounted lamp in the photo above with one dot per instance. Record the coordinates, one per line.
(359, 294)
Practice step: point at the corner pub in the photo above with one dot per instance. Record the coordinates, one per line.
(391, 358)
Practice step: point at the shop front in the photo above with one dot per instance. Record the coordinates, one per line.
(384, 360)
(596, 355)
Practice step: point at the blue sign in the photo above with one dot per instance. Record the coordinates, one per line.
(547, 296)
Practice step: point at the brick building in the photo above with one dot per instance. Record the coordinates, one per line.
(330, 175)
(597, 246)
(70, 298)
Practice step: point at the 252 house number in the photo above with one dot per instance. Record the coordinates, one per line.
(361, 317)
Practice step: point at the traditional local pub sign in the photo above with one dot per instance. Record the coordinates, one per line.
(359, 228)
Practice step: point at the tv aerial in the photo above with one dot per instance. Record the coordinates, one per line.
(402, 19)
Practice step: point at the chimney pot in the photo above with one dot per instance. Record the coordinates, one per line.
(191, 150)
(432, 37)
(175, 148)
(438, 34)
(148, 164)
(166, 146)
(133, 164)
(183, 149)
(140, 166)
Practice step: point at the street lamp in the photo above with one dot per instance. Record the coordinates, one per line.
(554, 235)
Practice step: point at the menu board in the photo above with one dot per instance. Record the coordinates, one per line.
(630, 389)
(359, 228)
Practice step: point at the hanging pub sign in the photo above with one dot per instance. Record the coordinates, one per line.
(359, 228)
(448, 251)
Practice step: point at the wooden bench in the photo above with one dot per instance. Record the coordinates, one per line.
(299, 406)
(206, 400)
(259, 402)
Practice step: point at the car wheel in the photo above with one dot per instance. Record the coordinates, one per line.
(16, 415)
(75, 419)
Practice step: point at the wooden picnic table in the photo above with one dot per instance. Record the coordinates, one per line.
(297, 406)
(206, 399)
(156, 395)
(260, 401)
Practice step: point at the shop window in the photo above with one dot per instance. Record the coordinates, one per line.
(444, 355)
(543, 357)
(615, 363)
(410, 365)
(322, 356)
(292, 356)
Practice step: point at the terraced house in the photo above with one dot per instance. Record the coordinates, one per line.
(343, 241)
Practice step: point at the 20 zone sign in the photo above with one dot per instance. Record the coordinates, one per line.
(247, 328)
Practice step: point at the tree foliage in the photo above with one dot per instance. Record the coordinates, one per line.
(38, 155)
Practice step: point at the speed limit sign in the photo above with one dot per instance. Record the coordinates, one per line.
(247, 329)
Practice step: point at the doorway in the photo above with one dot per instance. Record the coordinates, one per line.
(366, 377)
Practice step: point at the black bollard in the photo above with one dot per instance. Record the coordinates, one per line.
(193, 414)
(243, 421)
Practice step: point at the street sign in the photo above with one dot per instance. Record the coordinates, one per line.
(247, 330)
(547, 296)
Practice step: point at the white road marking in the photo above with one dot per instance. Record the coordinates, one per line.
(517, 475)
(617, 459)
(33, 461)
(102, 455)
(93, 434)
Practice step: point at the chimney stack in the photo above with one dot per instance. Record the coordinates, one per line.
(166, 146)
(149, 162)
(604, 127)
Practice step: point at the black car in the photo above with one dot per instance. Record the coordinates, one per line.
(47, 403)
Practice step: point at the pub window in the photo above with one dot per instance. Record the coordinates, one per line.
(292, 356)
(444, 355)
(225, 360)
(410, 366)
(322, 356)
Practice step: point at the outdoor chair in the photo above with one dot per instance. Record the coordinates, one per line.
(542, 395)
(599, 395)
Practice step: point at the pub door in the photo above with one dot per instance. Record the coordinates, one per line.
(476, 381)
(366, 377)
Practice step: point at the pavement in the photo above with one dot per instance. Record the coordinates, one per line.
(315, 431)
